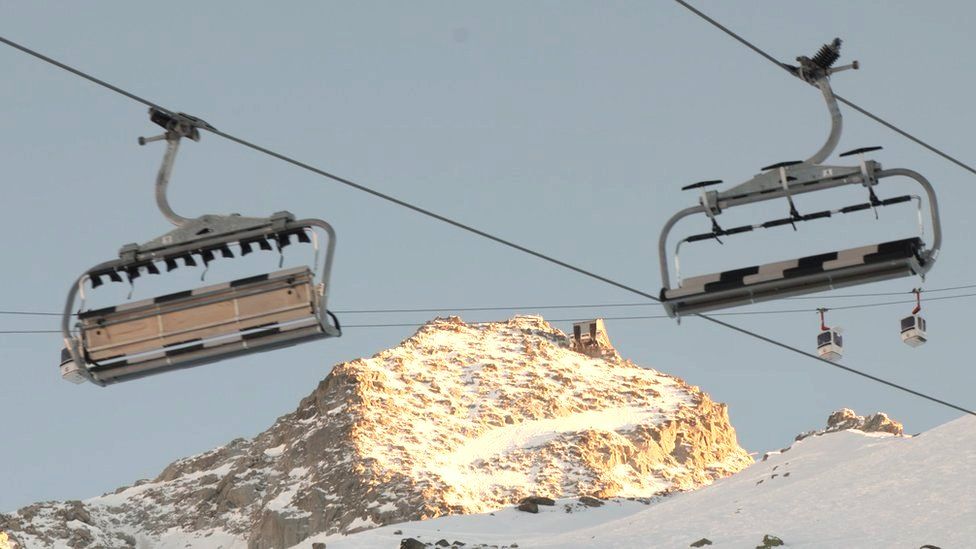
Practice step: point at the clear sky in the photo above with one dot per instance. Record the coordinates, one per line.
(568, 127)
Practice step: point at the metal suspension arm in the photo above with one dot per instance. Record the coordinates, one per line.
(836, 123)
(162, 180)
(178, 126)
(816, 71)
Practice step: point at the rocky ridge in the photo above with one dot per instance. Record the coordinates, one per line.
(846, 419)
(459, 418)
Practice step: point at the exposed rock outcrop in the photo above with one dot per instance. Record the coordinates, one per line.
(459, 418)
(875, 423)
(845, 419)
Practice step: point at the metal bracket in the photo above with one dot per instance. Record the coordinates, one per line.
(204, 228)
(869, 179)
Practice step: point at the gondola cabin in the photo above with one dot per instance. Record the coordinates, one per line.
(913, 330)
(830, 344)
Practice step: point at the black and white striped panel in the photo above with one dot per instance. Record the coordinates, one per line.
(174, 351)
(795, 268)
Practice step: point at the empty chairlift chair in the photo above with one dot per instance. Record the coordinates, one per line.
(813, 273)
(205, 324)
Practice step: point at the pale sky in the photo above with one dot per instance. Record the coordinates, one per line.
(568, 127)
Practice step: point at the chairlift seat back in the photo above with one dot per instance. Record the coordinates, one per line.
(805, 275)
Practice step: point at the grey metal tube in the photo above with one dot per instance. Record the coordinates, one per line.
(162, 181)
(69, 340)
(933, 204)
(326, 275)
(836, 123)
(662, 243)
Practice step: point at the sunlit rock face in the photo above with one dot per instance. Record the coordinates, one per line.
(459, 418)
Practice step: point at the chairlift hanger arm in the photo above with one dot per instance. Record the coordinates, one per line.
(822, 82)
(816, 72)
(177, 126)
(918, 301)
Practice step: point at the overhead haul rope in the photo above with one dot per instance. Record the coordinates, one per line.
(468, 228)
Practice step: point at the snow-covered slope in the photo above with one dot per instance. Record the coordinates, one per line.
(456, 419)
(845, 489)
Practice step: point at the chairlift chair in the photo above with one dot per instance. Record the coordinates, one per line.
(200, 325)
(846, 267)
(913, 329)
(830, 341)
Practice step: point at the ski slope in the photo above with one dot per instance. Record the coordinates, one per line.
(846, 489)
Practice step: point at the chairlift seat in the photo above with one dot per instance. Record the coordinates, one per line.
(796, 277)
(204, 325)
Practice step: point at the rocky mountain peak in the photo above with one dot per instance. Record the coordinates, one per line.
(457, 418)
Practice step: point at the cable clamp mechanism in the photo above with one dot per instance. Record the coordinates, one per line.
(177, 125)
